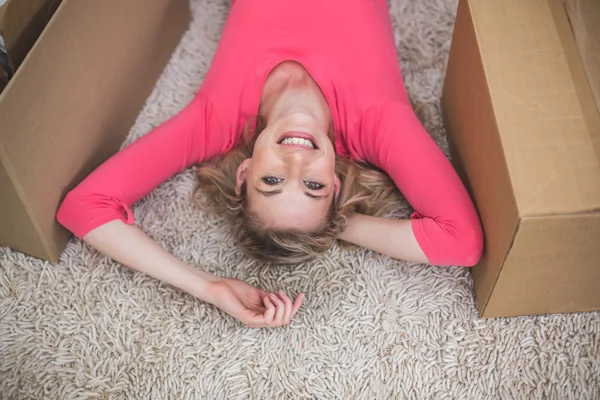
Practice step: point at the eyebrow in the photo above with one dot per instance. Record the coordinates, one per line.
(269, 193)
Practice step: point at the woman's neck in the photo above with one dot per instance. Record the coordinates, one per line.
(290, 89)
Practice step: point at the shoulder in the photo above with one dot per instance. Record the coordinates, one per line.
(377, 117)
(215, 129)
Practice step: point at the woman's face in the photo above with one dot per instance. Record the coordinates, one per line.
(290, 179)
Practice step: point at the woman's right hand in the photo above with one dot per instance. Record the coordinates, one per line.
(252, 306)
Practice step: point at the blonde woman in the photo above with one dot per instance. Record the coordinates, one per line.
(304, 133)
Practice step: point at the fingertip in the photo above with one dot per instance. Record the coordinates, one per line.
(297, 305)
(277, 300)
(281, 294)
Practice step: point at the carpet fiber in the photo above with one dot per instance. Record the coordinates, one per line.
(371, 327)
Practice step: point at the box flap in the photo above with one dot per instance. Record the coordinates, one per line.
(547, 141)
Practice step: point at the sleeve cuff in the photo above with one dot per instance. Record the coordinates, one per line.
(81, 216)
(422, 240)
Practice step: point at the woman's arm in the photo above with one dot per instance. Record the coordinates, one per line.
(394, 238)
(445, 224)
(130, 246)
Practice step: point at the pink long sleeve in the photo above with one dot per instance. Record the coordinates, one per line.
(107, 194)
(445, 222)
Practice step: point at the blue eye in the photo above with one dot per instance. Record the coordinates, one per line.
(271, 180)
(312, 185)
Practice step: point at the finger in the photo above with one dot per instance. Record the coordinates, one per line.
(297, 303)
(270, 312)
(287, 315)
(279, 309)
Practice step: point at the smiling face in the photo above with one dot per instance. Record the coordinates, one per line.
(290, 179)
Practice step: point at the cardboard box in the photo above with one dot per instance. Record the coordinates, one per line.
(71, 104)
(524, 134)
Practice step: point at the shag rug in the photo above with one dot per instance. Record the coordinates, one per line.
(371, 327)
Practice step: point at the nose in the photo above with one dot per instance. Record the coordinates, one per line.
(295, 160)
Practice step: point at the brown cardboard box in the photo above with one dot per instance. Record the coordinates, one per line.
(584, 16)
(71, 104)
(524, 135)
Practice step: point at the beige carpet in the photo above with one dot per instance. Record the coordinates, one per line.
(371, 327)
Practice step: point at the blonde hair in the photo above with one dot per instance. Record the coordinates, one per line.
(364, 189)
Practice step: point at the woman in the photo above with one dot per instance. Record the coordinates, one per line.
(308, 82)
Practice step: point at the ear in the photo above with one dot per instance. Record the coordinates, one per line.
(337, 186)
(241, 175)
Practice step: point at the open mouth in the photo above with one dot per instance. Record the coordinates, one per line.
(298, 139)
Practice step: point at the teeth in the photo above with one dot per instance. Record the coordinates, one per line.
(300, 141)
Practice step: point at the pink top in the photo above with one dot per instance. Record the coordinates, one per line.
(348, 47)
